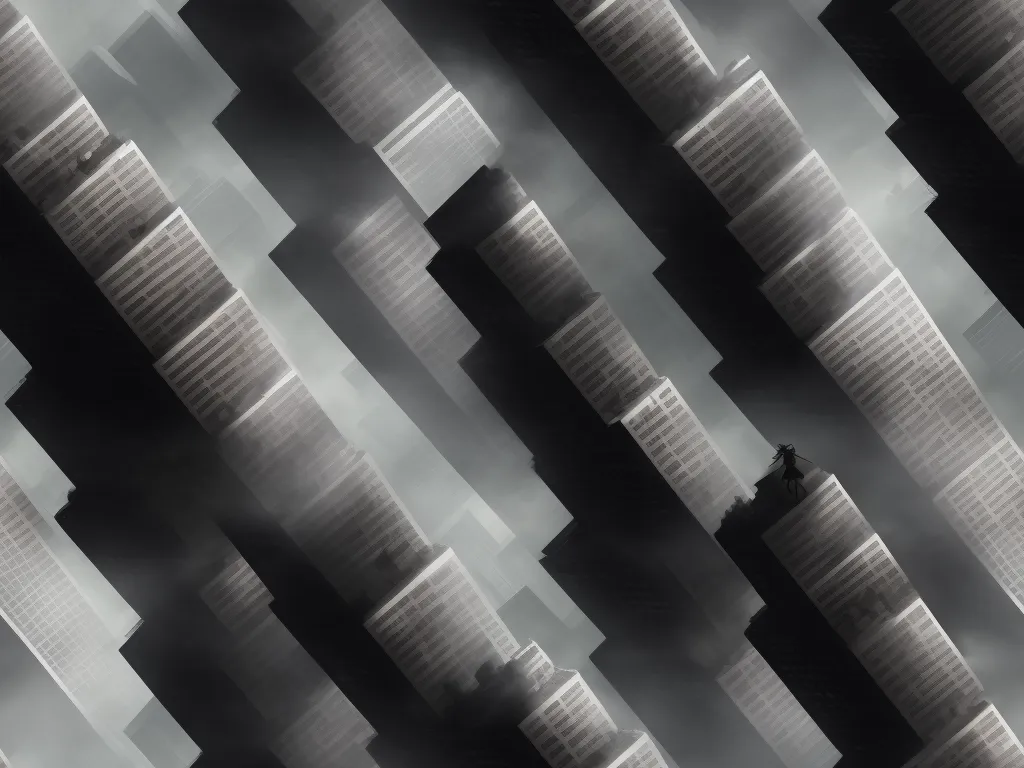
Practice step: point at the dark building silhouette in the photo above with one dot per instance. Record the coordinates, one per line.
(806, 653)
(945, 139)
(139, 465)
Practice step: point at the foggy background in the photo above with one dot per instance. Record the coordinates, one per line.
(150, 80)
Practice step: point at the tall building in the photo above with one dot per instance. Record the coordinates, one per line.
(312, 722)
(567, 723)
(286, 448)
(631, 749)
(743, 140)
(830, 550)
(359, 534)
(998, 339)
(532, 663)
(32, 79)
(224, 367)
(387, 256)
(537, 267)
(913, 660)
(650, 51)
(960, 36)
(45, 607)
(769, 706)
(997, 96)
(844, 567)
(891, 359)
(599, 356)
(802, 205)
(827, 277)
(438, 148)
(167, 284)
(683, 451)
(107, 206)
(790, 632)
(440, 631)
(983, 506)
(982, 738)
(39, 163)
(370, 74)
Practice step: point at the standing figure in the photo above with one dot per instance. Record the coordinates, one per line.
(790, 473)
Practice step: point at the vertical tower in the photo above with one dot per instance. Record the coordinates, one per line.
(650, 51)
(983, 506)
(769, 706)
(742, 140)
(438, 148)
(311, 721)
(831, 551)
(41, 161)
(370, 74)
(982, 737)
(891, 359)
(387, 256)
(440, 631)
(827, 277)
(536, 266)
(567, 723)
(32, 80)
(107, 206)
(359, 534)
(167, 284)
(802, 205)
(997, 96)
(683, 451)
(599, 356)
(960, 36)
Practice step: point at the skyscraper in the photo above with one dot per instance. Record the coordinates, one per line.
(891, 359)
(286, 448)
(359, 534)
(960, 36)
(167, 284)
(435, 151)
(107, 205)
(997, 96)
(743, 140)
(567, 723)
(370, 74)
(32, 80)
(631, 749)
(48, 611)
(72, 130)
(913, 660)
(537, 267)
(532, 663)
(440, 631)
(683, 451)
(387, 256)
(599, 356)
(225, 366)
(832, 553)
(827, 277)
(770, 707)
(982, 737)
(983, 506)
(650, 51)
(312, 722)
(803, 204)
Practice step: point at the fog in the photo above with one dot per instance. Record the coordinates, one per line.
(150, 80)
